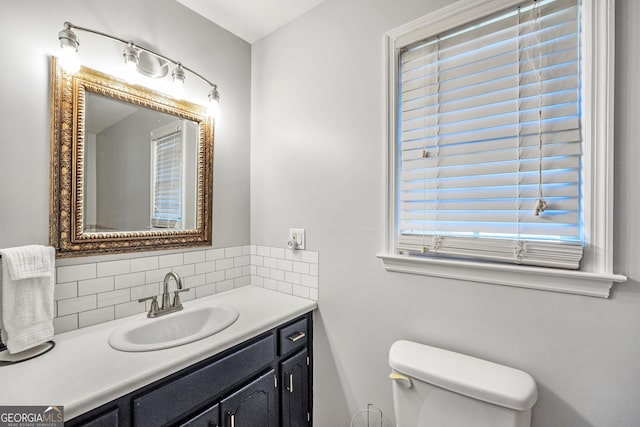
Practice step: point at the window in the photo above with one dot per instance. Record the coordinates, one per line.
(495, 172)
(167, 182)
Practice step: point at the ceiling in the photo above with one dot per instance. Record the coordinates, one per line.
(251, 19)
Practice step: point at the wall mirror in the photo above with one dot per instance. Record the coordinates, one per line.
(131, 169)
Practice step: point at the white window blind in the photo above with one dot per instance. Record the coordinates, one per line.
(167, 180)
(490, 140)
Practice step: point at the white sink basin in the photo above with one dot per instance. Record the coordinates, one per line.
(185, 326)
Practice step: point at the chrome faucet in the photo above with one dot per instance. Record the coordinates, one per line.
(167, 306)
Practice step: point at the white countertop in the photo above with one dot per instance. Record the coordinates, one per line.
(83, 372)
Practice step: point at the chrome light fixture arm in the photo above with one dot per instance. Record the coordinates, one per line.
(68, 39)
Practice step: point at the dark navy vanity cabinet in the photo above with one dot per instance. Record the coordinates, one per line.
(263, 382)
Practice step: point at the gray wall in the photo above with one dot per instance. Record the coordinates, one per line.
(28, 35)
(317, 161)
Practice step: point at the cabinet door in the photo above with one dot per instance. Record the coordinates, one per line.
(295, 391)
(208, 418)
(255, 405)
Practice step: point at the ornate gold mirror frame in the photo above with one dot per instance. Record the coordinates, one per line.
(66, 229)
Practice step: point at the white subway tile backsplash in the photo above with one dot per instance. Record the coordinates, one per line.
(233, 252)
(170, 260)
(193, 281)
(270, 262)
(112, 268)
(153, 276)
(92, 317)
(291, 272)
(257, 281)
(215, 254)
(263, 271)
(223, 264)
(129, 280)
(216, 276)
(185, 270)
(128, 309)
(293, 255)
(203, 291)
(144, 291)
(285, 265)
(276, 274)
(241, 261)
(144, 264)
(225, 285)
(270, 284)
(65, 290)
(76, 305)
(114, 297)
(233, 273)
(188, 295)
(72, 273)
(292, 277)
(241, 281)
(94, 286)
(277, 253)
(91, 293)
(313, 269)
(65, 323)
(195, 257)
(300, 291)
(285, 287)
(205, 267)
(301, 267)
(309, 281)
(311, 257)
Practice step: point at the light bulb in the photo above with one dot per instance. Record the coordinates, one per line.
(130, 56)
(212, 108)
(69, 60)
(69, 53)
(178, 78)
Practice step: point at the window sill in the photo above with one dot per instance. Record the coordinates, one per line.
(546, 279)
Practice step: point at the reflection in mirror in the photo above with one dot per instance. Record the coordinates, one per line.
(139, 168)
(131, 169)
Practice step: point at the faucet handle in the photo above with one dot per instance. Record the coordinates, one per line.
(153, 310)
(176, 297)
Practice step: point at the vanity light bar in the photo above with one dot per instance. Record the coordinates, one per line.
(69, 44)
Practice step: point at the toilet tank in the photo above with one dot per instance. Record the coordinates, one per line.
(436, 387)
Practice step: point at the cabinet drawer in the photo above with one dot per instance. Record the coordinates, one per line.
(178, 397)
(108, 419)
(293, 337)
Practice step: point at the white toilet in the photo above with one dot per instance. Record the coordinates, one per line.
(433, 387)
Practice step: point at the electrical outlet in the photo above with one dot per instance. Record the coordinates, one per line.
(297, 234)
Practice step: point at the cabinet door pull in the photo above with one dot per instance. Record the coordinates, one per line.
(233, 420)
(295, 337)
(290, 388)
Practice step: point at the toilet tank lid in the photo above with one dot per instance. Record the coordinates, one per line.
(466, 375)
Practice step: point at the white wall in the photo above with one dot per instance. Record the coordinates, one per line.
(317, 154)
(28, 34)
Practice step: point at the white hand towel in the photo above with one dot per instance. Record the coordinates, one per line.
(26, 303)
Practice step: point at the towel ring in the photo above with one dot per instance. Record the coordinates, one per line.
(29, 354)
